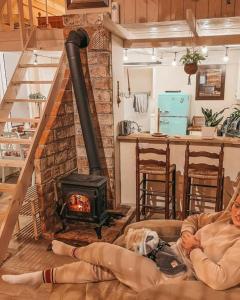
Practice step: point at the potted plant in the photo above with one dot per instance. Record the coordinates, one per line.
(36, 95)
(190, 60)
(230, 123)
(212, 120)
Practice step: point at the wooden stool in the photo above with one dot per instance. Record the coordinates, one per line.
(147, 167)
(202, 172)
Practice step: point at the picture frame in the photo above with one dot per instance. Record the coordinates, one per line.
(82, 4)
(210, 82)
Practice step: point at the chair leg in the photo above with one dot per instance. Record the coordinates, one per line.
(137, 197)
(167, 198)
(188, 196)
(184, 200)
(219, 204)
(174, 194)
(144, 194)
(222, 193)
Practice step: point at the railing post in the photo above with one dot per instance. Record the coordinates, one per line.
(46, 2)
(21, 21)
(10, 14)
(30, 12)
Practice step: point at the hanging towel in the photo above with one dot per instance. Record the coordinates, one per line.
(140, 102)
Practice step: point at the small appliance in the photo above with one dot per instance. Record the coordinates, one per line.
(127, 127)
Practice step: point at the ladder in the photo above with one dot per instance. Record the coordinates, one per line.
(35, 83)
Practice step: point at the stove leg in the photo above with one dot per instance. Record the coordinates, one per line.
(99, 232)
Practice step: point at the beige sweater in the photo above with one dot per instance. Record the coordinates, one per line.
(218, 265)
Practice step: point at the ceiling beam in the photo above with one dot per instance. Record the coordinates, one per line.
(116, 29)
(183, 41)
(191, 21)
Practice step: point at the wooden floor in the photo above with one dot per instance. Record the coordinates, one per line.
(33, 256)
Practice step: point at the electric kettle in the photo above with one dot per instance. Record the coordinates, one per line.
(126, 127)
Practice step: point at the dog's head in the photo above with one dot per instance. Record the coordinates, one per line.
(142, 240)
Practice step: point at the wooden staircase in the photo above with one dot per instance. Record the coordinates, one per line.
(40, 69)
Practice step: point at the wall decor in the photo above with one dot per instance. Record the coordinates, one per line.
(210, 82)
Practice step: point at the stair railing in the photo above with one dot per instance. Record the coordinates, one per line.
(7, 18)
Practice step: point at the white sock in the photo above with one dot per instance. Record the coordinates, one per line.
(61, 248)
(34, 279)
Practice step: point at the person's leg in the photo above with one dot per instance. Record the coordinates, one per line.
(77, 272)
(137, 272)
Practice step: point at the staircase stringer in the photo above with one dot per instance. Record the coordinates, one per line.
(25, 177)
(5, 107)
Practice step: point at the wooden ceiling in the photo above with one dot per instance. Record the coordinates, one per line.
(171, 29)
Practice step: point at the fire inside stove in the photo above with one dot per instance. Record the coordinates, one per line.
(79, 203)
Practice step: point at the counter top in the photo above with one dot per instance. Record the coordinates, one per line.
(198, 140)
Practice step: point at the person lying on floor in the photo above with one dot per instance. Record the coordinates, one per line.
(209, 249)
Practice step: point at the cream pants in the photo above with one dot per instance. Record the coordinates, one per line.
(102, 261)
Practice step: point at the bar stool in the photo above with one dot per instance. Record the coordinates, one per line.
(146, 168)
(195, 175)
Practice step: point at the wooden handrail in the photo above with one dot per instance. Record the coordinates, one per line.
(24, 179)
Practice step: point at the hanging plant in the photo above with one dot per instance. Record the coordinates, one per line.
(190, 60)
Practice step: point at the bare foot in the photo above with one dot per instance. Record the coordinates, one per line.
(61, 248)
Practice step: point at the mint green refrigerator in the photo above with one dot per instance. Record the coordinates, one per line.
(174, 113)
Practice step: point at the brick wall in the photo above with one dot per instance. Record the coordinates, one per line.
(55, 155)
(97, 68)
(61, 148)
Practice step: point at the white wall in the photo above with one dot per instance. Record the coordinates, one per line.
(118, 75)
(167, 77)
(174, 78)
(140, 80)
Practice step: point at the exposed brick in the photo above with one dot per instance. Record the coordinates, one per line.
(104, 59)
(99, 71)
(92, 19)
(102, 96)
(61, 157)
(105, 119)
(92, 58)
(104, 108)
(106, 130)
(62, 147)
(68, 96)
(102, 83)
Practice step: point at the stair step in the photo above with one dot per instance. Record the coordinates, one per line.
(19, 120)
(7, 187)
(12, 163)
(16, 82)
(19, 141)
(38, 66)
(26, 100)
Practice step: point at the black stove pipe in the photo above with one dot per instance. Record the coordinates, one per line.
(75, 41)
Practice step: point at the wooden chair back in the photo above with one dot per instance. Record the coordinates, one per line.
(162, 159)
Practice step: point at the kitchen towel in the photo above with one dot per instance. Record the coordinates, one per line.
(140, 102)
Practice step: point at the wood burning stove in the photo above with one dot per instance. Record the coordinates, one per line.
(84, 198)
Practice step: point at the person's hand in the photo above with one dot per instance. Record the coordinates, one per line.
(189, 241)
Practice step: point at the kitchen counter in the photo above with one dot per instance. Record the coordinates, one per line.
(127, 149)
(183, 139)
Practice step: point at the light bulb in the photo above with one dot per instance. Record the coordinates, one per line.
(153, 54)
(125, 57)
(226, 57)
(35, 60)
(204, 50)
(174, 62)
